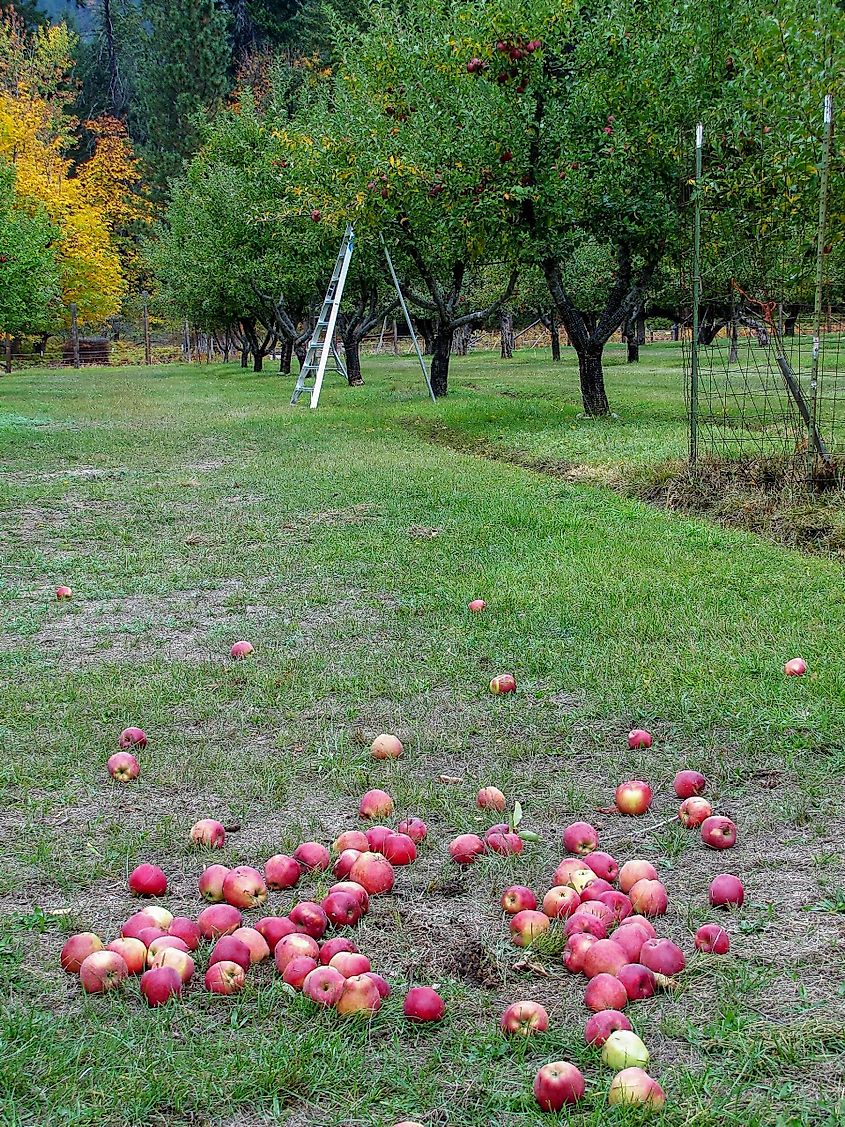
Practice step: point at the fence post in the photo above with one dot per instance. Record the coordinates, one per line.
(148, 358)
(824, 193)
(9, 349)
(187, 341)
(696, 299)
(74, 334)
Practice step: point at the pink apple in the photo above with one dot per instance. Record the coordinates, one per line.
(605, 992)
(63, 592)
(274, 928)
(354, 889)
(208, 832)
(477, 605)
(351, 839)
(376, 837)
(604, 957)
(693, 811)
(423, 1004)
(639, 738)
(599, 910)
(633, 797)
(527, 926)
(313, 856)
(718, 832)
(415, 828)
(490, 798)
(181, 962)
(132, 737)
(374, 873)
(324, 986)
(560, 902)
(506, 845)
(688, 784)
(601, 1025)
(580, 923)
(123, 766)
(638, 980)
(518, 898)
(227, 949)
(569, 868)
(795, 667)
(160, 984)
(281, 872)
(618, 903)
(631, 939)
(712, 939)
(148, 935)
(225, 978)
(360, 996)
(241, 650)
(211, 883)
(399, 849)
(132, 951)
(160, 915)
(342, 909)
(102, 971)
(77, 949)
(603, 865)
(634, 1086)
(580, 838)
(292, 946)
(298, 969)
(309, 918)
(244, 887)
(465, 848)
(343, 865)
(595, 890)
(375, 804)
(498, 828)
(649, 898)
(164, 943)
(219, 919)
(333, 947)
(186, 930)
(558, 1084)
(644, 923)
(386, 747)
(259, 948)
(136, 923)
(576, 950)
(662, 956)
(147, 880)
(726, 891)
(632, 871)
(382, 985)
(524, 1018)
(350, 963)
(503, 683)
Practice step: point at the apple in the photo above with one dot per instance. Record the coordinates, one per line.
(595, 889)
(382, 985)
(497, 828)
(77, 949)
(477, 605)
(324, 986)
(181, 962)
(208, 832)
(227, 949)
(309, 918)
(581, 878)
(465, 848)
(219, 919)
(644, 923)
(132, 737)
(518, 898)
(638, 980)
(63, 592)
(333, 947)
(259, 948)
(298, 969)
(132, 951)
(211, 883)
(148, 935)
(136, 923)
(604, 957)
(560, 902)
(576, 950)
(524, 1018)
(386, 747)
(316, 215)
(186, 930)
(123, 766)
(160, 915)
(490, 798)
(360, 996)
(350, 963)
(527, 926)
(580, 838)
(688, 784)
(351, 839)
(343, 865)
(632, 871)
(601, 1025)
(375, 804)
(605, 992)
(240, 650)
(649, 898)
(399, 849)
(225, 978)
(622, 1049)
(618, 903)
(354, 889)
(415, 828)
(281, 871)
(274, 928)
(634, 1086)
(342, 909)
(292, 946)
(507, 844)
(718, 832)
(164, 943)
(580, 923)
(423, 1004)
(102, 971)
(712, 939)
(376, 837)
(599, 911)
(603, 865)
(313, 856)
(639, 738)
(633, 797)
(693, 811)
(631, 939)
(504, 683)
(795, 667)
(244, 887)
(160, 984)
(147, 880)
(662, 956)
(374, 873)
(558, 1084)
(726, 891)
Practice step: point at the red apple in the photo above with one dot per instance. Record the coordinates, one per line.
(132, 737)
(148, 935)
(132, 951)
(662, 956)
(136, 923)
(605, 992)
(604, 957)
(259, 948)
(465, 848)
(208, 832)
(633, 1086)
(313, 856)
(382, 985)
(639, 738)
(186, 930)
(631, 939)
(601, 1025)
(281, 872)
(386, 747)
(603, 865)
(423, 1004)
(292, 946)
(580, 923)
(181, 962)
(123, 766)
(795, 667)
(569, 869)
(632, 871)
(227, 949)
(360, 996)
(477, 605)
(274, 928)
(342, 909)
(399, 849)
(164, 943)
(376, 837)
(219, 919)
(102, 971)
(560, 902)
(490, 798)
(333, 947)
(353, 889)
(726, 891)
(527, 926)
(712, 939)
(63, 592)
(638, 980)
(633, 797)
(619, 904)
(576, 950)
(595, 890)
(580, 838)
(351, 839)
(343, 865)
(225, 978)
(211, 883)
(649, 898)
(147, 880)
(160, 984)
(506, 845)
(642, 922)
(374, 873)
(298, 969)
(518, 898)
(504, 683)
(77, 949)
(687, 784)
(241, 650)
(244, 887)
(599, 910)
(524, 1018)
(693, 811)
(415, 828)
(324, 986)
(718, 832)
(309, 918)
(160, 915)
(558, 1084)
(316, 215)
(375, 804)
(350, 963)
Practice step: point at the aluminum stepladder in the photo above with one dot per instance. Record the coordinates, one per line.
(321, 346)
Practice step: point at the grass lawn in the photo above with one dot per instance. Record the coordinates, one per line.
(191, 507)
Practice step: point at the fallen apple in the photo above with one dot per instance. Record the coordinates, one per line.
(633, 1086)
(298, 969)
(63, 592)
(292, 947)
(160, 915)
(633, 871)
(505, 844)
(373, 873)
(351, 839)
(382, 985)
(585, 923)
(693, 811)
(159, 985)
(662, 956)
(217, 920)
(123, 766)
(518, 898)
(558, 1084)
(132, 951)
(211, 883)
(568, 868)
(360, 996)
(240, 650)
(136, 923)
(259, 948)
(624, 1049)
(227, 949)
(633, 797)
(181, 962)
(399, 849)
(639, 738)
(560, 902)
(423, 1004)
(639, 982)
(465, 848)
(603, 865)
(477, 605)
(102, 971)
(527, 926)
(281, 872)
(77, 949)
(350, 963)
(524, 1018)
(415, 828)
(164, 943)
(312, 856)
(376, 837)
(601, 1025)
(718, 832)
(649, 898)
(310, 918)
(580, 838)
(631, 939)
(342, 909)
(688, 784)
(343, 865)
(375, 804)
(712, 939)
(605, 992)
(795, 667)
(225, 978)
(244, 887)
(576, 950)
(503, 683)
(490, 798)
(324, 986)
(604, 957)
(618, 903)
(186, 930)
(726, 891)
(208, 832)
(132, 737)
(147, 880)
(386, 747)
(353, 888)
(274, 928)
(332, 947)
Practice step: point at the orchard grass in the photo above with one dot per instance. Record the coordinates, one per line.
(191, 507)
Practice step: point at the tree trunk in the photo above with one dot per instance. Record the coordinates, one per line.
(10, 345)
(244, 357)
(506, 330)
(425, 326)
(591, 375)
(285, 356)
(258, 361)
(352, 357)
(790, 318)
(300, 350)
(676, 331)
(461, 339)
(440, 353)
(635, 335)
(554, 331)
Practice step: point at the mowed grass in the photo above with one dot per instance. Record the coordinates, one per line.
(190, 507)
